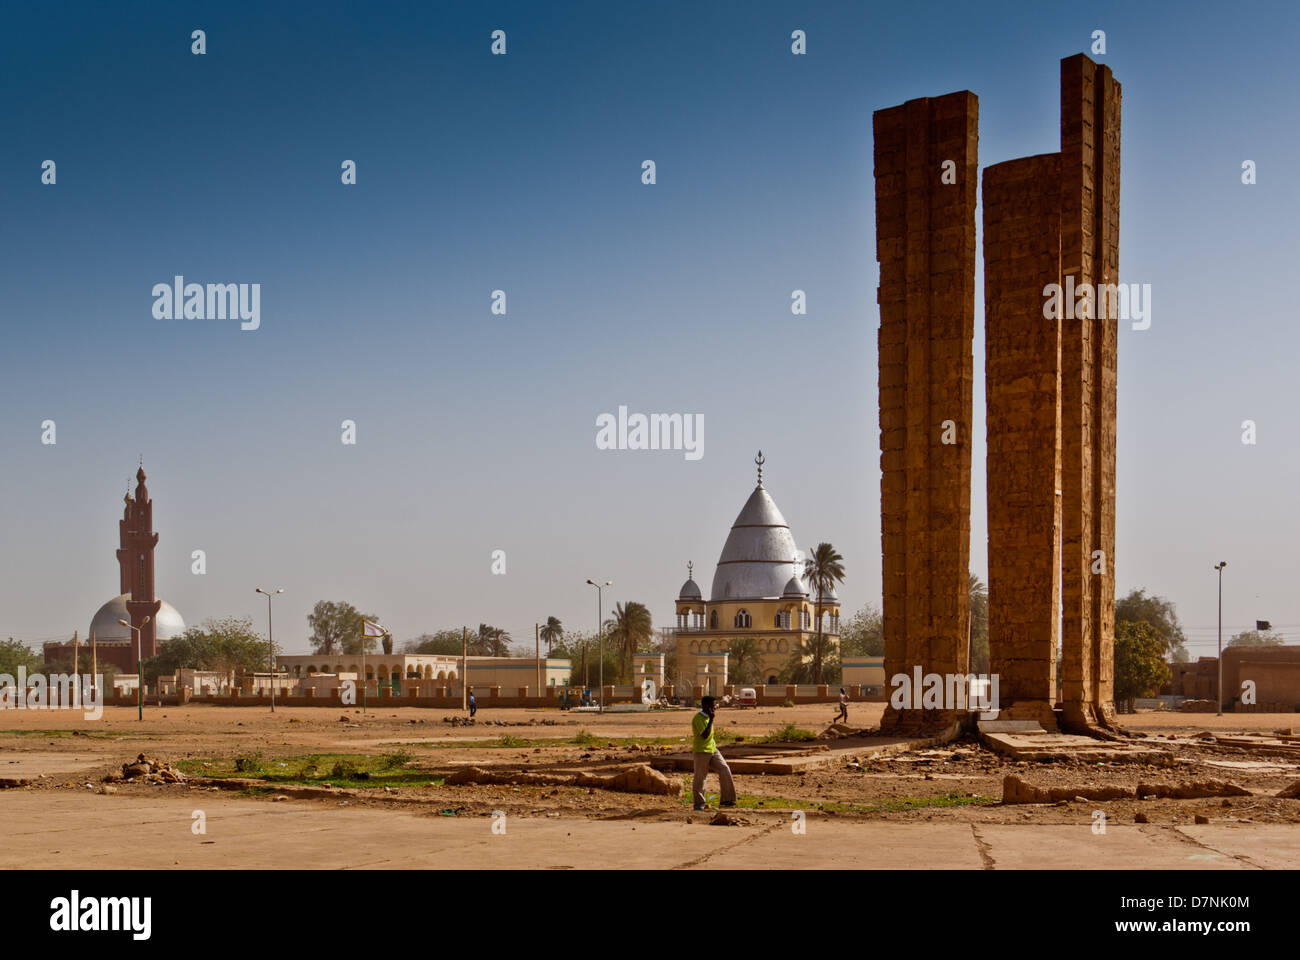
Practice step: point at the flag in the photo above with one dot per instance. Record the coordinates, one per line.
(373, 631)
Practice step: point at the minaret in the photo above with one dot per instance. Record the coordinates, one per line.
(135, 559)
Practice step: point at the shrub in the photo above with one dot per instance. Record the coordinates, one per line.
(790, 734)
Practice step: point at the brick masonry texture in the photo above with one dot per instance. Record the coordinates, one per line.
(925, 244)
(1022, 254)
(1090, 144)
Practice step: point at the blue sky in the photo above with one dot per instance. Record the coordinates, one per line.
(522, 173)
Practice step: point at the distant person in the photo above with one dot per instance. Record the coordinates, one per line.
(473, 706)
(706, 756)
(843, 716)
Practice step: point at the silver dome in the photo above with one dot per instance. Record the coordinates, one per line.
(795, 589)
(168, 623)
(690, 591)
(759, 556)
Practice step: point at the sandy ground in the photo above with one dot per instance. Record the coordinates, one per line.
(922, 808)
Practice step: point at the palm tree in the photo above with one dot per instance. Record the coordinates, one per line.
(745, 664)
(977, 630)
(631, 626)
(823, 569)
(490, 642)
(552, 632)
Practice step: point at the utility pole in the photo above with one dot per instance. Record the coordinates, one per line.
(1219, 696)
(464, 668)
(270, 644)
(600, 612)
(94, 664)
(537, 636)
(76, 673)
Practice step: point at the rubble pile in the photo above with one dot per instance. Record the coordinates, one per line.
(149, 770)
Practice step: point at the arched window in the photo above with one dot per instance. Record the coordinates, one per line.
(713, 620)
(742, 618)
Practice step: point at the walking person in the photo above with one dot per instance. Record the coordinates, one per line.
(843, 716)
(707, 757)
(473, 704)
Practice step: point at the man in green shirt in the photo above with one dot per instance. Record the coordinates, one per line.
(707, 757)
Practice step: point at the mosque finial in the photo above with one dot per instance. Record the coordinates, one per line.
(760, 460)
(690, 570)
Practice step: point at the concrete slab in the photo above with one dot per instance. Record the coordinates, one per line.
(1010, 726)
(70, 830)
(1040, 746)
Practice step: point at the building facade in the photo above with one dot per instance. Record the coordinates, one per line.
(758, 593)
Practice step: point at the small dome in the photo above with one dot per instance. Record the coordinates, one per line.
(168, 624)
(690, 591)
(795, 589)
(831, 597)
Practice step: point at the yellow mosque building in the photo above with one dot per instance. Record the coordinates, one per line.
(758, 592)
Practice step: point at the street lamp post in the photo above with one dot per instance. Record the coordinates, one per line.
(600, 627)
(139, 666)
(270, 643)
(1219, 566)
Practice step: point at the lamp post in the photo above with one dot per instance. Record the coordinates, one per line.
(1219, 566)
(270, 643)
(600, 627)
(139, 665)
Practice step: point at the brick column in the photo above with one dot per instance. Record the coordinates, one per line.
(1022, 364)
(925, 244)
(1090, 132)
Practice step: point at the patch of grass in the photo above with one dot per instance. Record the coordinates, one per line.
(506, 740)
(361, 770)
(584, 739)
(789, 734)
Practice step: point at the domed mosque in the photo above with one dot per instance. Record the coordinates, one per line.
(758, 591)
(115, 643)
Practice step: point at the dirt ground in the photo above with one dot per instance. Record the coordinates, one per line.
(412, 749)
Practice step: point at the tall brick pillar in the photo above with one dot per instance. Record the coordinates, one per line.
(925, 244)
(1090, 142)
(1022, 362)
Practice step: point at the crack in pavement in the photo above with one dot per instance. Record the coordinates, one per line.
(730, 846)
(984, 848)
(1242, 858)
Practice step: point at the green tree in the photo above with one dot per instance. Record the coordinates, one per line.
(1160, 615)
(1140, 665)
(745, 665)
(629, 629)
(228, 644)
(863, 634)
(1255, 638)
(823, 569)
(337, 627)
(979, 625)
(446, 643)
(800, 666)
(15, 654)
(552, 631)
(582, 649)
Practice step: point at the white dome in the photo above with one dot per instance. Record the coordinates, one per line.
(168, 623)
(758, 558)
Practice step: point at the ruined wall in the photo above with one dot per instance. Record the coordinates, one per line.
(925, 244)
(1090, 142)
(1022, 232)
